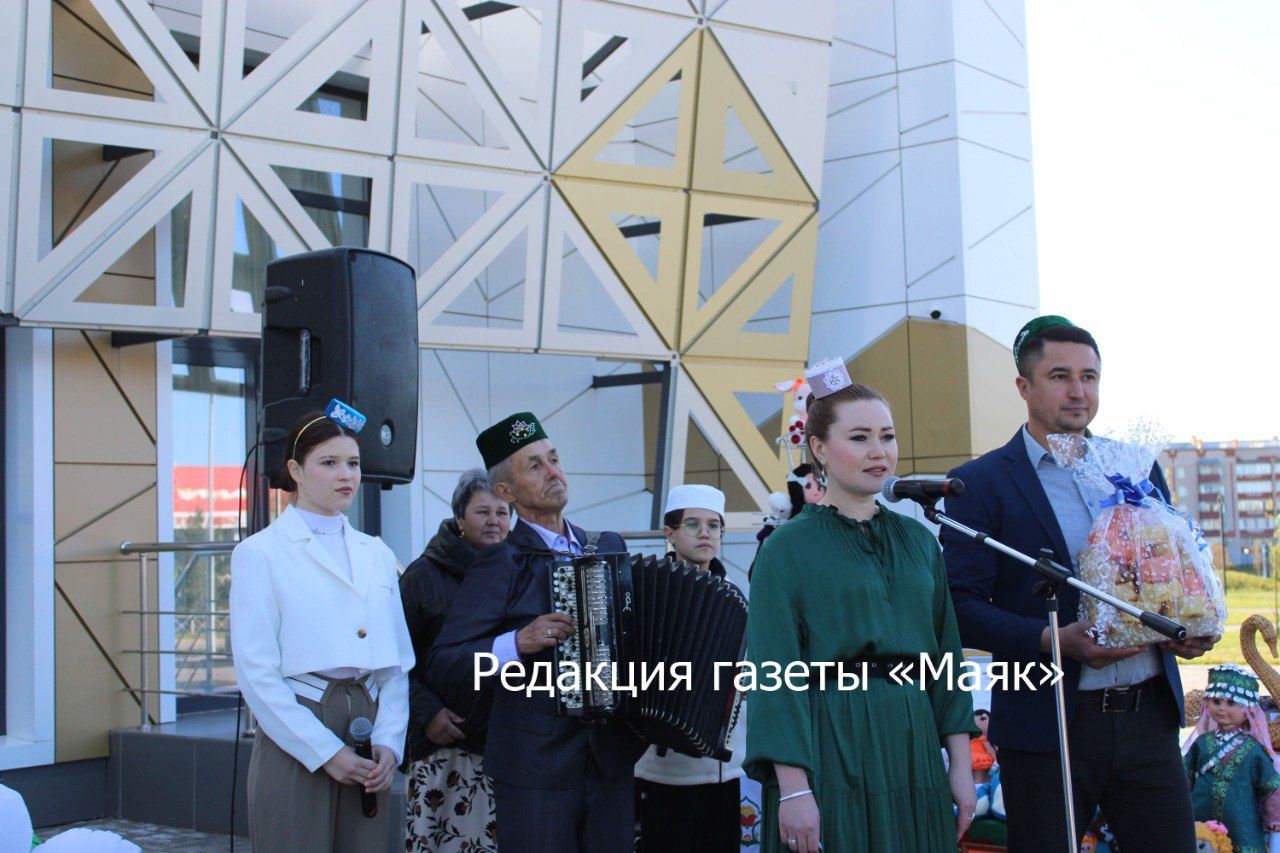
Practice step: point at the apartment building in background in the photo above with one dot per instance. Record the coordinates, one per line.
(1231, 487)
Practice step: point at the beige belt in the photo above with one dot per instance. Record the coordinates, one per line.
(312, 686)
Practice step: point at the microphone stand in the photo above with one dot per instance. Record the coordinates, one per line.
(1054, 575)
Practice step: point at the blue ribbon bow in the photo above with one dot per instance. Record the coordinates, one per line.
(1127, 491)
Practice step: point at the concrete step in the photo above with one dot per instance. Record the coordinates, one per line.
(180, 775)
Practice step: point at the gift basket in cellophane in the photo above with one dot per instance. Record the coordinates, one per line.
(1140, 549)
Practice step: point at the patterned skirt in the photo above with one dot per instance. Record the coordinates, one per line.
(450, 804)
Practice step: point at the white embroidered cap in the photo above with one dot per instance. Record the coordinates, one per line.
(695, 496)
(827, 377)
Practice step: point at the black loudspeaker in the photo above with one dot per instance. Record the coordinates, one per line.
(342, 323)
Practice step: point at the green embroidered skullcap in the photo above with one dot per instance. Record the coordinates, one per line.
(1034, 328)
(498, 442)
(1232, 681)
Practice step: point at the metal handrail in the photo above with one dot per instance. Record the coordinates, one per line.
(144, 550)
(130, 547)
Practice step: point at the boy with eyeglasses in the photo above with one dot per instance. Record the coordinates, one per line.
(685, 803)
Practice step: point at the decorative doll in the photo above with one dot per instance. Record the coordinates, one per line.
(1230, 765)
(983, 753)
(1211, 837)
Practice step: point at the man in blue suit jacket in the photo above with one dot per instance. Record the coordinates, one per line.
(558, 783)
(1124, 706)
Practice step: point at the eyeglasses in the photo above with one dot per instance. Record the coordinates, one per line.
(693, 527)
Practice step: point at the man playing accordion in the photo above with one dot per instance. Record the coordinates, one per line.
(559, 784)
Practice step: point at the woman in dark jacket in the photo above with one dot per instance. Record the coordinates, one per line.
(450, 800)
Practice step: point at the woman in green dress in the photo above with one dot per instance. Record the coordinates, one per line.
(850, 582)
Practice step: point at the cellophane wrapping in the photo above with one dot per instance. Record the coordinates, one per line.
(1140, 549)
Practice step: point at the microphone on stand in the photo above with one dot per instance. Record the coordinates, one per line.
(361, 730)
(921, 489)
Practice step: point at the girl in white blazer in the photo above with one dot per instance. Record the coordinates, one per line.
(319, 638)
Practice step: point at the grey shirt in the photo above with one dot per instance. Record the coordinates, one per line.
(1075, 514)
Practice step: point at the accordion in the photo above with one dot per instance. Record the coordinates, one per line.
(636, 616)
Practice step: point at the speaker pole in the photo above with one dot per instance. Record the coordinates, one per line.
(371, 509)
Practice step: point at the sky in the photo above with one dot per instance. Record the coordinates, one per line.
(1156, 152)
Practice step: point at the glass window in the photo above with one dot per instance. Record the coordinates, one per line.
(1210, 489)
(1254, 469)
(1254, 487)
(210, 439)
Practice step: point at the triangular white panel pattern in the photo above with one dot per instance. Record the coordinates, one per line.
(259, 157)
(237, 187)
(36, 274)
(527, 224)
(172, 104)
(690, 404)
(276, 115)
(514, 153)
(240, 91)
(8, 140)
(201, 83)
(513, 191)
(61, 305)
(650, 38)
(528, 102)
(564, 230)
(791, 90)
(813, 19)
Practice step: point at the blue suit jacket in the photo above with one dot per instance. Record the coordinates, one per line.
(506, 588)
(996, 607)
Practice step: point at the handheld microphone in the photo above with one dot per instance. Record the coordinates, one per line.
(361, 730)
(921, 489)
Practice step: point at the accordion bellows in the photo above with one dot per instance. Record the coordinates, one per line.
(638, 615)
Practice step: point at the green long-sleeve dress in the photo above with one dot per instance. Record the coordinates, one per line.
(827, 588)
(1231, 776)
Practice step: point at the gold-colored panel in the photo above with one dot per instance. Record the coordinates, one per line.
(135, 369)
(885, 366)
(584, 162)
(718, 380)
(85, 51)
(99, 506)
(595, 204)
(704, 465)
(721, 89)
(929, 466)
(939, 388)
(995, 408)
(694, 318)
(726, 337)
(94, 420)
(951, 389)
(90, 698)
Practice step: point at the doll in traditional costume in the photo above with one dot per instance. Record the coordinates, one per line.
(983, 754)
(1230, 765)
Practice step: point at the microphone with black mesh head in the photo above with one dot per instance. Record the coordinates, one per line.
(361, 730)
(921, 489)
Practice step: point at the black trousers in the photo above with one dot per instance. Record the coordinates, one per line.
(1128, 762)
(595, 816)
(689, 818)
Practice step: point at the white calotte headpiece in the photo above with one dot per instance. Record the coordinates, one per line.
(695, 496)
(827, 377)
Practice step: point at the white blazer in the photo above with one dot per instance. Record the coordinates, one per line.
(293, 611)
